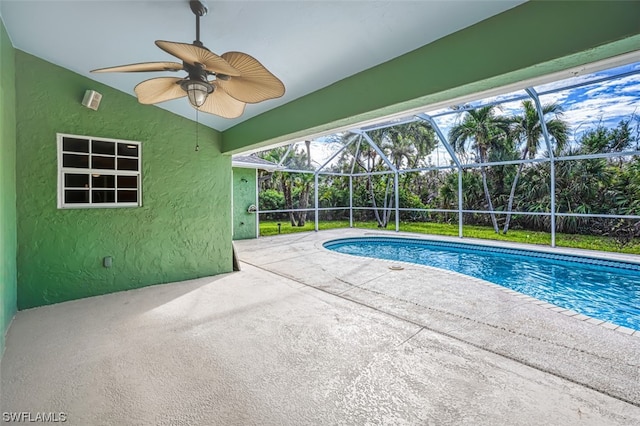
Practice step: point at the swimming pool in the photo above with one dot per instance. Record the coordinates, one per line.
(605, 289)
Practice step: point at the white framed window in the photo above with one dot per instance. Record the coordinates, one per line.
(98, 172)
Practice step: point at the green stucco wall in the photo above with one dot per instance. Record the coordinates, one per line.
(530, 40)
(244, 194)
(8, 271)
(183, 229)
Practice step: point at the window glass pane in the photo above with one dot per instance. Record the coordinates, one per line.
(127, 196)
(94, 171)
(103, 181)
(128, 149)
(76, 196)
(77, 161)
(102, 147)
(100, 196)
(98, 162)
(75, 145)
(127, 181)
(127, 164)
(75, 180)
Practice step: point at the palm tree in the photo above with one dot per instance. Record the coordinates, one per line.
(305, 181)
(406, 146)
(483, 130)
(308, 146)
(399, 150)
(287, 181)
(527, 129)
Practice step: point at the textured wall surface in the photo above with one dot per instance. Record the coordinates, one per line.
(183, 229)
(244, 194)
(7, 185)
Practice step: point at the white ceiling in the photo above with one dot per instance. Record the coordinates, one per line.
(307, 44)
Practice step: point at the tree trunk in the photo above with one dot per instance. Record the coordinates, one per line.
(511, 197)
(304, 203)
(308, 145)
(288, 199)
(386, 213)
(488, 198)
(373, 202)
(513, 193)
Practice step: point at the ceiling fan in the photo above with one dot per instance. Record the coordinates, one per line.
(219, 85)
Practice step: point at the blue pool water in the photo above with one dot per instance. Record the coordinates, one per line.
(603, 289)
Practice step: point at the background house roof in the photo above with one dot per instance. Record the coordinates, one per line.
(252, 162)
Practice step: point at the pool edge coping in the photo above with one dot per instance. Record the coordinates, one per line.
(524, 297)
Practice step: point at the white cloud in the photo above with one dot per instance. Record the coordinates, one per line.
(560, 98)
(607, 111)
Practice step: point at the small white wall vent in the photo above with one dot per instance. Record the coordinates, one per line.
(92, 99)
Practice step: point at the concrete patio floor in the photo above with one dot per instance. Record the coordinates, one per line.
(305, 336)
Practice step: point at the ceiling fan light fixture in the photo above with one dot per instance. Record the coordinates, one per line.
(197, 92)
(219, 85)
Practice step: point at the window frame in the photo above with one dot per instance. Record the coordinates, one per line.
(92, 172)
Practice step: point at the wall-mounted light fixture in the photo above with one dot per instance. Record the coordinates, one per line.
(92, 99)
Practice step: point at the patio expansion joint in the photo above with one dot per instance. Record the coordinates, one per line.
(358, 286)
(277, 261)
(410, 337)
(462, 339)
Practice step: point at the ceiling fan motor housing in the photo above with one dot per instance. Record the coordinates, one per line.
(199, 8)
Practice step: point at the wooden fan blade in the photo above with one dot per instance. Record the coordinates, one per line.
(220, 103)
(193, 54)
(255, 83)
(159, 89)
(143, 67)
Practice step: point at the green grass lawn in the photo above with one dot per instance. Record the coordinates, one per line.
(588, 242)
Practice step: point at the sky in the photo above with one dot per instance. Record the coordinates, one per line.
(602, 103)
